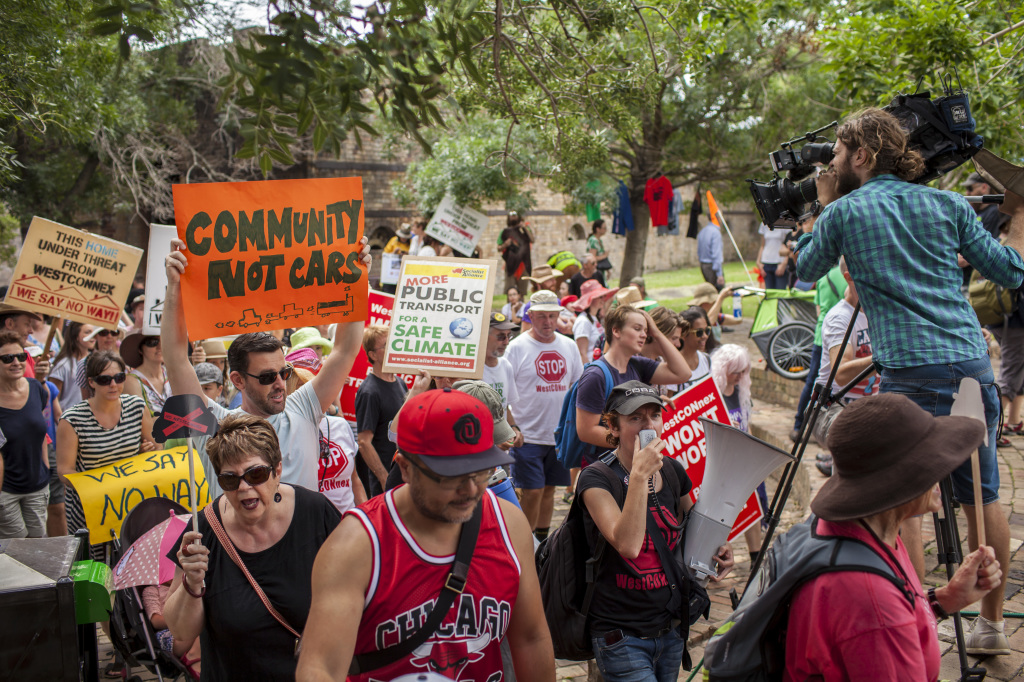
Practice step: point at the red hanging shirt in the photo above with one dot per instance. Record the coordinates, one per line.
(658, 195)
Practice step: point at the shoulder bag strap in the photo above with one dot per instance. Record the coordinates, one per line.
(225, 541)
(831, 284)
(454, 584)
(668, 563)
(601, 543)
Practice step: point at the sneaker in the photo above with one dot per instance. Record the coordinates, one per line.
(794, 435)
(823, 457)
(825, 469)
(1017, 428)
(986, 643)
(1003, 442)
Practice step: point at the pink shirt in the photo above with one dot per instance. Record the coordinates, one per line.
(858, 626)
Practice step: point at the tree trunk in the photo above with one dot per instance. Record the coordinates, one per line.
(636, 241)
(92, 163)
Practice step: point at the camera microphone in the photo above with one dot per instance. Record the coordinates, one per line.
(986, 199)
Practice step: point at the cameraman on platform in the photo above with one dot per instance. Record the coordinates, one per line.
(901, 242)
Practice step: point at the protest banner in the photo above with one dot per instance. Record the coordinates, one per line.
(440, 318)
(160, 237)
(381, 306)
(390, 267)
(271, 254)
(109, 493)
(72, 274)
(457, 226)
(684, 440)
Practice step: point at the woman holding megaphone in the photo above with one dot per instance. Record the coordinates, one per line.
(633, 498)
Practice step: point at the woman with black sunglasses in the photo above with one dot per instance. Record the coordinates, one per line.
(148, 376)
(695, 342)
(277, 530)
(23, 467)
(101, 430)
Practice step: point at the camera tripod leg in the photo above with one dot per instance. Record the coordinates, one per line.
(947, 541)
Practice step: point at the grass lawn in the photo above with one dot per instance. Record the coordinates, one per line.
(683, 277)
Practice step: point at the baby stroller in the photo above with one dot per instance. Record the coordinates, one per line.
(131, 633)
(783, 330)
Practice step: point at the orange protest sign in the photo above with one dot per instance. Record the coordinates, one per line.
(713, 209)
(271, 254)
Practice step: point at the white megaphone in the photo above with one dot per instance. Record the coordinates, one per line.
(736, 464)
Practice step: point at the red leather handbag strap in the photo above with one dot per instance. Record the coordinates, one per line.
(225, 541)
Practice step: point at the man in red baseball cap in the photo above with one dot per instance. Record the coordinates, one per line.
(394, 557)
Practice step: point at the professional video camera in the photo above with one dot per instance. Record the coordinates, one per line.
(941, 129)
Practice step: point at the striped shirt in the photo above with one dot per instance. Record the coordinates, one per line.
(98, 447)
(900, 241)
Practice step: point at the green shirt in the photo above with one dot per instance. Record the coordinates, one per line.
(825, 297)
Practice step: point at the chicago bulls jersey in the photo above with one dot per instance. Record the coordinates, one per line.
(405, 582)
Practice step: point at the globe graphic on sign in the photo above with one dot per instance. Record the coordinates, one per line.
(461, 327)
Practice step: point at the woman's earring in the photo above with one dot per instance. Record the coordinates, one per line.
(277, 497)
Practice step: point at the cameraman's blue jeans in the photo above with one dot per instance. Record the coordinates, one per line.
(933, 387)
(641, 659)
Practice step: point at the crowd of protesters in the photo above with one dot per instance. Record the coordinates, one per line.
(328, 543)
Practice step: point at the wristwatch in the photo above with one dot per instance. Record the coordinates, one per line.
(933, 601)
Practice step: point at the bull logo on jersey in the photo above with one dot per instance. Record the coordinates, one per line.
(467, 429)
(449, 657)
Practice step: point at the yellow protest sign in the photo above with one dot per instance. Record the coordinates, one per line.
(73, 274)
(110, 492)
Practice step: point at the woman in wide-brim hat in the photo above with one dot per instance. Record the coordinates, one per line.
(888, 457)
(148, 376)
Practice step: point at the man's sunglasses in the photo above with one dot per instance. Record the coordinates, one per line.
(107, 379)
(701, 332)
(254, 476)
(270, 376)
(8, 358)
(151, 341)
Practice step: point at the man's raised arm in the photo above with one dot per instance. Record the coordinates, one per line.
(173, 334)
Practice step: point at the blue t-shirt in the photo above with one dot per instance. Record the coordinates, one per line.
(51, 423)
(25, 430)
(591, 397)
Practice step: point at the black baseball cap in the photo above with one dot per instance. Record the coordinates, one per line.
(629, 397)
(500, 321)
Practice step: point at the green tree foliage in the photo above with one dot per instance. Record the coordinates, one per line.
(875, 49)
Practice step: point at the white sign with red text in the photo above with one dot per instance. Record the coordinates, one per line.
(684, 438)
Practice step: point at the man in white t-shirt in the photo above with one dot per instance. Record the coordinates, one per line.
(545, 365)
(769, 258)
(259, 372)
(498, 371)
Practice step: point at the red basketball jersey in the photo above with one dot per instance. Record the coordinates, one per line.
(406, 581)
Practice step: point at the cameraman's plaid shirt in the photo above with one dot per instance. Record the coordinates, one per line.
(900, 241)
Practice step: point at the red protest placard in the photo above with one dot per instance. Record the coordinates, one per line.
(684, 438)
(380, 305)
(271, 254)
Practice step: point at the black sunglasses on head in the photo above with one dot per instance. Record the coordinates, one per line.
(270, 376)
(254, 476)
(105, 379)
(8, 358)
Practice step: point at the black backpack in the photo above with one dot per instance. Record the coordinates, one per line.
(567, 568)
(751, 645)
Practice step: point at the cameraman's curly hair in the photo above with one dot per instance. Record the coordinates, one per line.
(885, 141)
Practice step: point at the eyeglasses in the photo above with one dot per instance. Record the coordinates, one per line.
(8, 358)
(503, 337)
(701, 332)
(106, 379)
(270, 376)
(254, 476)
(450, 483)
(151, 341)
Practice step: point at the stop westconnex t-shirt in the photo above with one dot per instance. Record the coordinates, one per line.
(633, 594)
(543, 373)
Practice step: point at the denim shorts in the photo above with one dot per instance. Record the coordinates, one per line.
(537, 466)
(933, 387)
(640, 659)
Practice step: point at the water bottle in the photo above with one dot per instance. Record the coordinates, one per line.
(737, 305)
